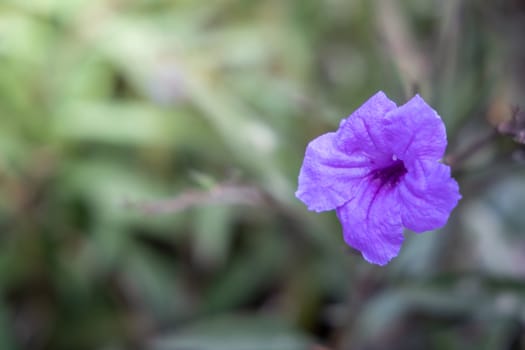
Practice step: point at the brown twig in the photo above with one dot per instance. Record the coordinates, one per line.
(455, 159)
(219, 194)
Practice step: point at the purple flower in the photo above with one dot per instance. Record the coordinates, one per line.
(381, 172)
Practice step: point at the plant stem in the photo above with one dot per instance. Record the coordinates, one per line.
(455, 159)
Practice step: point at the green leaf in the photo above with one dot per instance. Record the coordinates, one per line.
(234, 333)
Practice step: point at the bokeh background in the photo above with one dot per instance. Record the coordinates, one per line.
(149, 152)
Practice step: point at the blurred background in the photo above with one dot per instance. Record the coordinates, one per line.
(149, 153)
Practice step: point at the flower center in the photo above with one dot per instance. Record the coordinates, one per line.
(390, 174)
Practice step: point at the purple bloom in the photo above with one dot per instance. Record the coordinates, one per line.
(381, 172)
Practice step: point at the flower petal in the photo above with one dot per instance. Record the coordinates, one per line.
(415, 131)
(329, 177)
(372, 224)
(427, 195)
(362, 131)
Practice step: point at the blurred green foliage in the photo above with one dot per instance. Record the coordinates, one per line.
(148, 158)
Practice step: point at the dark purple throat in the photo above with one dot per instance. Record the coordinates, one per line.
(391, 174)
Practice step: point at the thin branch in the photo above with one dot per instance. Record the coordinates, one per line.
(455, 159)
(219, 194)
